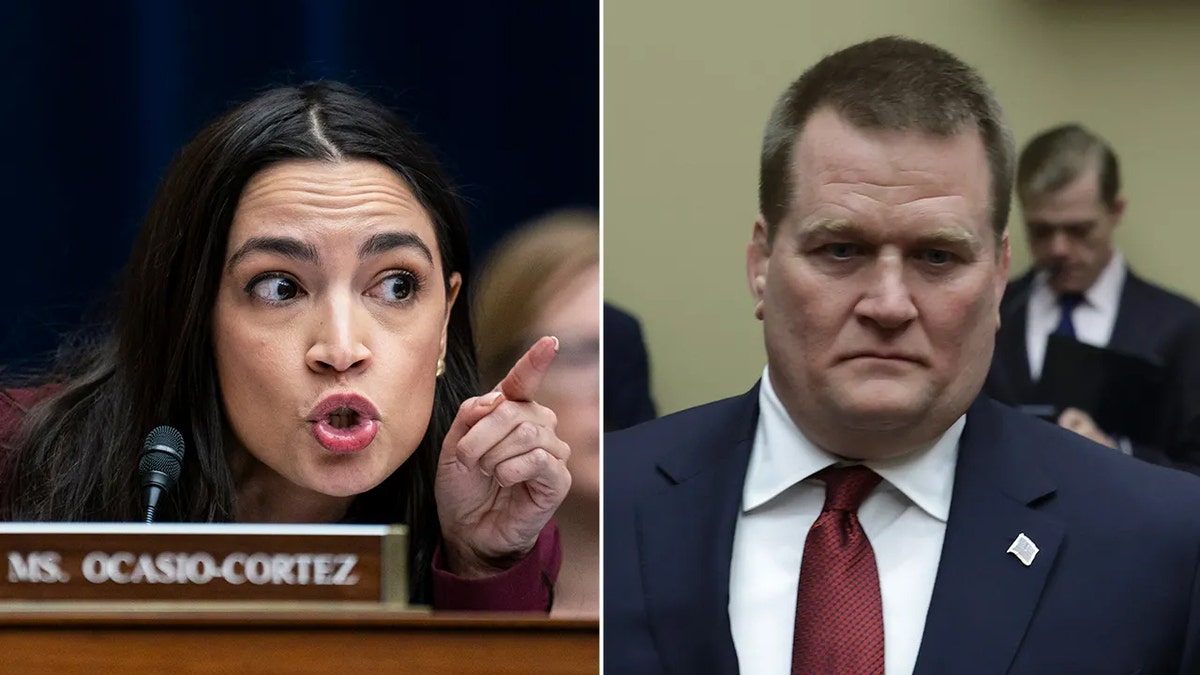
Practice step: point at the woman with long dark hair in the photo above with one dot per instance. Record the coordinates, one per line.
(295, 303)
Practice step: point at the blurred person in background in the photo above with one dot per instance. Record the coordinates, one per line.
(544, 279)
(627, 399)
(1081, 287)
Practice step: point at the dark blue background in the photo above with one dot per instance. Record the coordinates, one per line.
(99, 96)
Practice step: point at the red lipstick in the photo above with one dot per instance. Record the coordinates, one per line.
(344, 423)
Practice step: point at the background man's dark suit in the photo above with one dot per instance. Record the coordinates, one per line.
(1151, 322)
(627, 399)
(1114, 588)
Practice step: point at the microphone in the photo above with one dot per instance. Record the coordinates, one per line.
(159, 465)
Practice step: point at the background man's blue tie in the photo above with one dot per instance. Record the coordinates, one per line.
(1068, 302)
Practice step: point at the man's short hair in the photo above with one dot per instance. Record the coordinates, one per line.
(894, 84)
(1056, 157)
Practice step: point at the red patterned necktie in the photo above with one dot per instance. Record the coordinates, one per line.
(839, 614)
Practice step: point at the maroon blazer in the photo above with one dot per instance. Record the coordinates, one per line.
(526, 587)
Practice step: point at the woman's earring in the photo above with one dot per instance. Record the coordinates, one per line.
(441, 367)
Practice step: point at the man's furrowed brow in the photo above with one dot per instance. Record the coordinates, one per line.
(952, 237)
(828, 227)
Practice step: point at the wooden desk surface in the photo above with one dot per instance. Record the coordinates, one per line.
(298, 638)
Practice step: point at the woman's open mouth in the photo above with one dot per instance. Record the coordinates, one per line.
(344, 423)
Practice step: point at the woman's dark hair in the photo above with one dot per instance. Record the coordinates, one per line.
(76, 453)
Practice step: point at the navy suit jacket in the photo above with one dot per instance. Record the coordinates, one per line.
(1114, 588)
(1153, 323)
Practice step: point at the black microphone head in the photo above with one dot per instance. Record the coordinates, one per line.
(162, 453)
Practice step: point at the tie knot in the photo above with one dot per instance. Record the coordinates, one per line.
(1069, 301)
(846, 487)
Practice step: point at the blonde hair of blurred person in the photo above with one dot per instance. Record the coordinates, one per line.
(544, 279)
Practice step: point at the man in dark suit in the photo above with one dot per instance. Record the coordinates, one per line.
(627, 398)
(1080, 287)
(975, 538)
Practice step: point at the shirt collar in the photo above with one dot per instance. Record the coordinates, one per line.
(783, 456)
(1105, 294)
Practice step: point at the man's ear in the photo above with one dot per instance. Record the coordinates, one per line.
(758, 257)
(1003, 263)
(1117, 209)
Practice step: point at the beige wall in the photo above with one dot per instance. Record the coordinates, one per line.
(687, 89)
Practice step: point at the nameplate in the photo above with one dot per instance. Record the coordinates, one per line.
(209, 562)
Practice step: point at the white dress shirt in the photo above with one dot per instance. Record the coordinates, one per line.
(1093, 319)
(904, 519)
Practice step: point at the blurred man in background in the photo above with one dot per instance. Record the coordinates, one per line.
(1081, 288)
(627, 398)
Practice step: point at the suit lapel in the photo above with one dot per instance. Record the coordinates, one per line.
(984, 597)
(1134, 318)
(1012, 354)
(685, 535)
